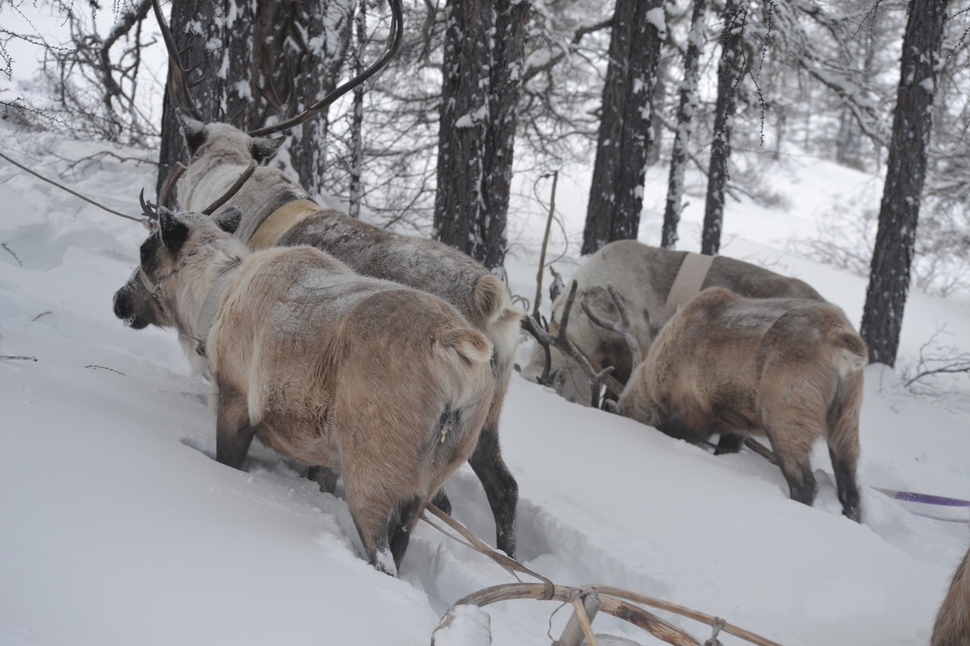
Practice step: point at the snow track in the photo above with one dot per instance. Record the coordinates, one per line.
(117, 526)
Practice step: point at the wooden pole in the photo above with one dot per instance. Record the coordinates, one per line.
(545, 243)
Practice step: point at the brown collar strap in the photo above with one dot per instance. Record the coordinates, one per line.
(687, 284)
(280, 221)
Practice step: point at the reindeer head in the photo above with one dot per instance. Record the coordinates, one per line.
(226, 142)
(147, 297)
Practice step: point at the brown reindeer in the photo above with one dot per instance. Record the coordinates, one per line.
(384, 384)
(952, 627)
(791, 369)
(651, 283)
(276, 210)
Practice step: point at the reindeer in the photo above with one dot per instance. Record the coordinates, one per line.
(791, 369)
(276, 210)
(384, 384)
(651, 283)
(952, 627)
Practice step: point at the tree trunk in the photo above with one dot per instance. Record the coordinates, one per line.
(484, 47)
(357, 123)
(616, 194)
(899, 211)
(656, 123)
(220, 95)
(689, 100)
(329, 24)
(729, 72)
(507, 59)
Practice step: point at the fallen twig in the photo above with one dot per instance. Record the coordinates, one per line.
(10, 251)
(15, 358)
(108, 369)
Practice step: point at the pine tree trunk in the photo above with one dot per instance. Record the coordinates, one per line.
(192, 45)
(656, 123)
(357, 123)
(892, 257)
(220, 95)
(729, 71)
(277, 46)
(507, 57)
(689, 100)
(484, 46)
(616, 194)
(329, 25)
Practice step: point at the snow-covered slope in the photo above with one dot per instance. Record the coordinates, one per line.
(118, 527)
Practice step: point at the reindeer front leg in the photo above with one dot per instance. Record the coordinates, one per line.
(234, 432)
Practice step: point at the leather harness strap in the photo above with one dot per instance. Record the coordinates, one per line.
(687, 284)
(280, 221)
(210, 306)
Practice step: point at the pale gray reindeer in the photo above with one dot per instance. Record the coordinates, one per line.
(276, 210)
(791, 369)
(952, 627)
(651, 283)
(384, 384)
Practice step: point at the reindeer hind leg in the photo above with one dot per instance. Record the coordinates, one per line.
(843, 440)
(501, 489)
(791, 434)
(399, 529)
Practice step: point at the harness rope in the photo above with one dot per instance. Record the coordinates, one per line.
(74, 193)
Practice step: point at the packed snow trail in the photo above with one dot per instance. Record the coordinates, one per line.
(119, 528)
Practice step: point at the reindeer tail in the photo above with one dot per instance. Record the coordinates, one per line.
(470, 344)
(490, 302)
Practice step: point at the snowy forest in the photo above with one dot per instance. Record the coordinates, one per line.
(530, 88)
(824, 141)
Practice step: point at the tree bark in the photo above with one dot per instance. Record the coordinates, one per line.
(357, 123)
(329, 25)
(905, 171)
(689, 100)
(484, 48)
(729, 71)
(224, 91)
(616, 194)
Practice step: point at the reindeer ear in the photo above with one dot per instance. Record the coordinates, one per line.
(228, 220)
(173, 231)
(264, 147)
(192, 131)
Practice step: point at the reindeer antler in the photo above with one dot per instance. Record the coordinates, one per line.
(390, 49)
(150, 210)
(285, 107)
(562, 343)
(209, 210)
(180, 81)
(621, 327)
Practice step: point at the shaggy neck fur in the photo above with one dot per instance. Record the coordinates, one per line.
(198, 272)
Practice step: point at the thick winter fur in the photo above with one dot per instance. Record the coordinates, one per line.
(219, 153)
(791, 369)
(642, 276)
(952, 627)
(384, 384)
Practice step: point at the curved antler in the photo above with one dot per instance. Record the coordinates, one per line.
(180, 81)
(390, 49)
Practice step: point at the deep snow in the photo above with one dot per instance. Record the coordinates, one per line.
(117, 527)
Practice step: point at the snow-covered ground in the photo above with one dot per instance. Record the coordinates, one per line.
(118, 527)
